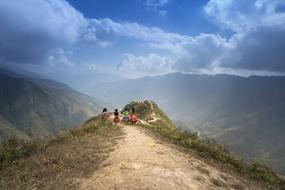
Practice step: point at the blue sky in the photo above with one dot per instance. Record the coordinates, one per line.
(176, 15)
(137, 38)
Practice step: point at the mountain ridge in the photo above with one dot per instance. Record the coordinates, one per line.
(40, 107)
(219, 107)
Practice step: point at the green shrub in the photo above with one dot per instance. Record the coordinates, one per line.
(264, 172)
(13, 148)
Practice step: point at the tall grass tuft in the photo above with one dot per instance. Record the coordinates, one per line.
(14, 148)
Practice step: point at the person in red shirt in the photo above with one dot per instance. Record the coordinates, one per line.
(133, 117)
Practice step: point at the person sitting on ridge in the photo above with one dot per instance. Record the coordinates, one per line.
(104, 114)
(126, 116)
(133, 117)
(116, 119)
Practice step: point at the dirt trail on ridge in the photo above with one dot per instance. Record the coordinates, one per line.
(141, 162)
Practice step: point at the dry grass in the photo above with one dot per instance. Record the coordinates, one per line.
(60, 162)
(209, 149)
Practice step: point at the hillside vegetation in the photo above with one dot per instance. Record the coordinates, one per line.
(31, 107)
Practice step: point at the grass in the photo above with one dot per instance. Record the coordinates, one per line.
(208, 148)
(260, 169)
(70, 155)
(14, 148)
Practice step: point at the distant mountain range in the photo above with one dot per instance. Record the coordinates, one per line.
(33, 107)
(245, 113)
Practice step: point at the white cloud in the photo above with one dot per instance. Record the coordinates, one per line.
(199, 53)
(252, 22)
(107, 29)
(261, 49)
(246, 15)
(42, 25)
(90, 34)
(59, 58)
(162, 12)
(155, 3)
(203, 51)
(43, 16)
(139, 66)
(259, 27)
(156, 6)
(50, 27)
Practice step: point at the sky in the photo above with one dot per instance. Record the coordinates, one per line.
(137, 38)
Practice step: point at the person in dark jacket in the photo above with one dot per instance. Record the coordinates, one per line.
(104, 114)
(116, 117)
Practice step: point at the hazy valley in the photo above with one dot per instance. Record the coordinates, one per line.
(245, 113)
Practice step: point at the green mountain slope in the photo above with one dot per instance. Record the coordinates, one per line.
(36, 107)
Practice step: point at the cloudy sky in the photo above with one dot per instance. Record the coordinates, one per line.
(136, 38)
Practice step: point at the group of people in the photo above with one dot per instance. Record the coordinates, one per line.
(127, 115)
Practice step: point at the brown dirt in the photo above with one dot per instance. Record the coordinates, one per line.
(140, 161)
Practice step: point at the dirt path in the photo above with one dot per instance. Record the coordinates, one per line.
(141, 162)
